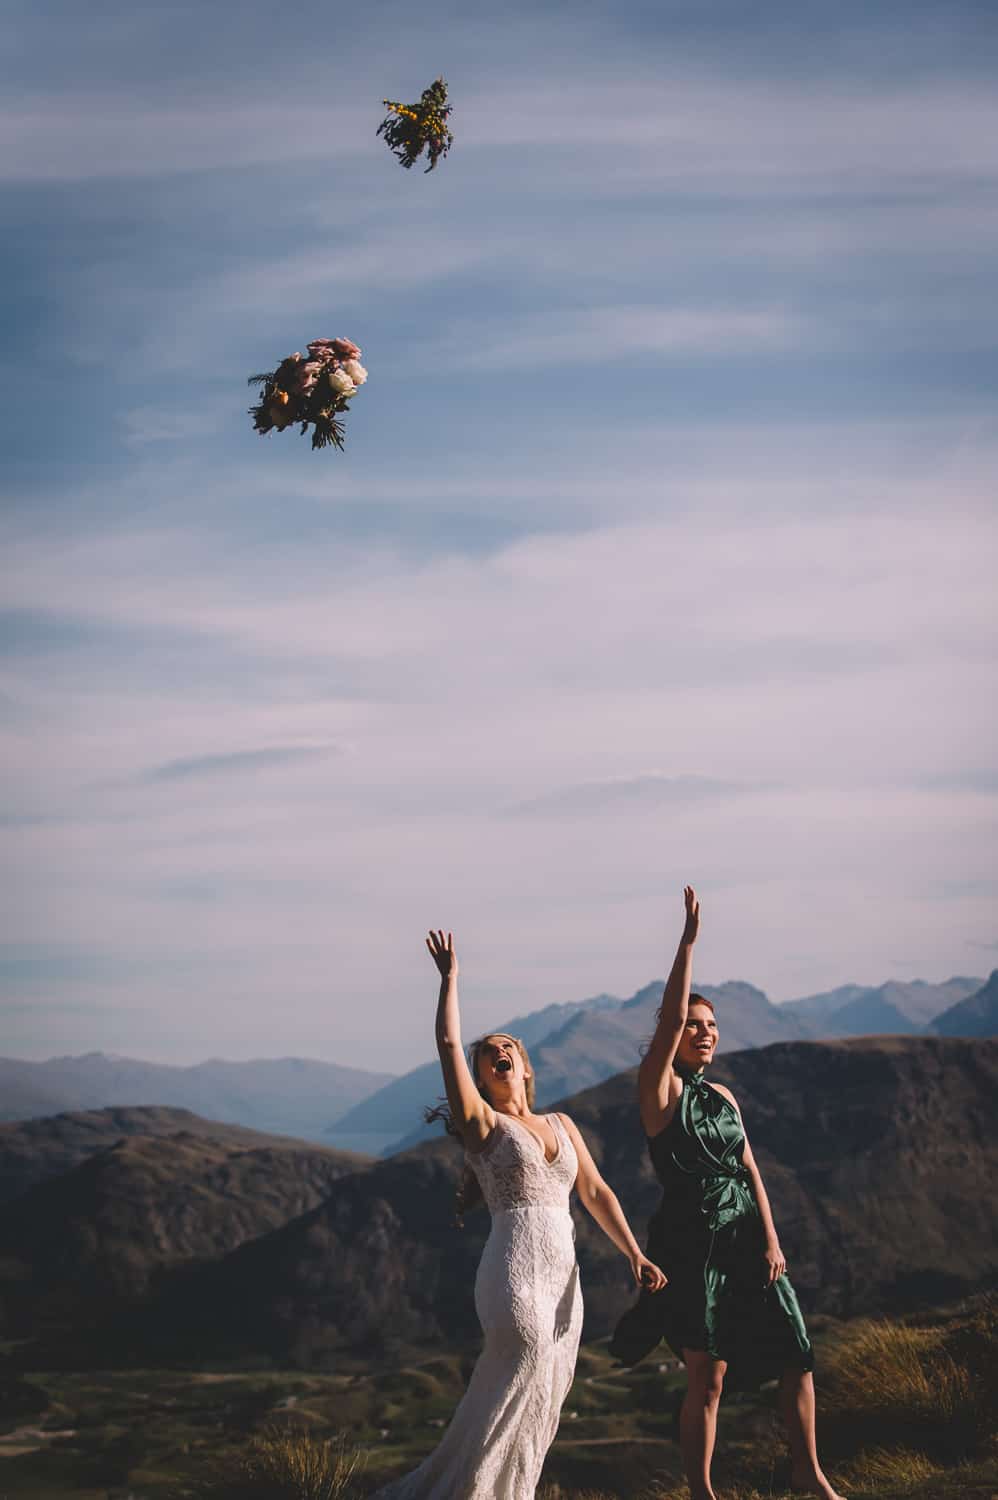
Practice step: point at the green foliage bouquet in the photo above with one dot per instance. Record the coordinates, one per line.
(314, 392)
(411, 129)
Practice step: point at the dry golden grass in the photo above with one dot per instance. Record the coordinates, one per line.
(281, 1465)
(896, 1471)
(908, 1387)
(890, 1367)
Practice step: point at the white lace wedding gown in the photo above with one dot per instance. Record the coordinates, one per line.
(529, 1304)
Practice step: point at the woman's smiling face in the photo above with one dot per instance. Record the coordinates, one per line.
(699, 1039)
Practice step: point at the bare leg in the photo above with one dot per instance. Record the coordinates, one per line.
(698, 1419)
(797, 1409)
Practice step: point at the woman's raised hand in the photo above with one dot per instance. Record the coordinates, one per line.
(443, 953)
(692, 928)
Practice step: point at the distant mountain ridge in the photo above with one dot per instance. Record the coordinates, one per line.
(598, 1040)
(390, 1114)
(572, 1044)
(283, 1096)
(977, 1015)
(899, 1006)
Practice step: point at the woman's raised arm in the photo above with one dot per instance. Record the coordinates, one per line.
(473, 1117)
(658, 1087)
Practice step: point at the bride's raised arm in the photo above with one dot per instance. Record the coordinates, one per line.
(472, 1116)
(658, 1088)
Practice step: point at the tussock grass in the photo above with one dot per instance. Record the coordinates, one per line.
(896, 1471)
(930, 1388)
(281, 1465)
(889, 1368)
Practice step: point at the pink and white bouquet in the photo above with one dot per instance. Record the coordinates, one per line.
(313, 391)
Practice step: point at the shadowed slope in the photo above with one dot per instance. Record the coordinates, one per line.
(31, 1151)
(975, 1016)
(75, 1247)
(876, 1153)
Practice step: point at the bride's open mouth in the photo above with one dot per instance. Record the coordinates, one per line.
(503, 1065)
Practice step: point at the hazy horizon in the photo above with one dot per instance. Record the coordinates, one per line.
(194, 1058)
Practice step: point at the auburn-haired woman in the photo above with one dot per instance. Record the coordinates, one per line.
(527, 1288)
(729, 1307)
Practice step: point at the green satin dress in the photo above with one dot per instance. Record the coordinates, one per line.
(708, 1238)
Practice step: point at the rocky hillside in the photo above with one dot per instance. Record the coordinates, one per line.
(97, 1237)
(875, 1153)
(32, 1151)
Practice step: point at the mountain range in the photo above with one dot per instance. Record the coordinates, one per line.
(601, 1037)
(191, 1248)
(283, 1096)
(572, 1046)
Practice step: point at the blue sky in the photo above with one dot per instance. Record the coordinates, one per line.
(662, 548)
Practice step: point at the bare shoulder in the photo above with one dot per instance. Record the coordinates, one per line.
(570, 1126)
(726, 1093)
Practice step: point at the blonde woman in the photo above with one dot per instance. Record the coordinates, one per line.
(527, 1292)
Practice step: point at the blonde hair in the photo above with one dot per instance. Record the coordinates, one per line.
(469, 1190)
(475, 1052)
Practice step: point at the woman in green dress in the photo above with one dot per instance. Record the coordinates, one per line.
(729, 1309)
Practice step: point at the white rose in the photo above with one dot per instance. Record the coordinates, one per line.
(356, 371)
(341, 383)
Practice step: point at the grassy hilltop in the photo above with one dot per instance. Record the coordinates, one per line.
(908, 1409)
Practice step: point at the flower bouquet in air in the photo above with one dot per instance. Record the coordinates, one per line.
(314, 392)
(411, 129)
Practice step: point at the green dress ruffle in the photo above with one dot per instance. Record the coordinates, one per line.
(708, 1238)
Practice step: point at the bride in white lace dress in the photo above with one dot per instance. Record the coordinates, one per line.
(527, 1293)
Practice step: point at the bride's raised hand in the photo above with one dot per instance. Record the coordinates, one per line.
(443, 953)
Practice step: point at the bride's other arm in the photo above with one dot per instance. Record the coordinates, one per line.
(602, 1202)
(658, 1086)
(472, 1116)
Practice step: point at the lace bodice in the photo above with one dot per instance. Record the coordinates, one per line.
(515, 1173)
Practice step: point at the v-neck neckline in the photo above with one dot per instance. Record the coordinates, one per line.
(536, 1138)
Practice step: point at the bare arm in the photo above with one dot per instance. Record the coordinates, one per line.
(473, 1117)
(658, 1086)
(775, 1260)
(602, 1202)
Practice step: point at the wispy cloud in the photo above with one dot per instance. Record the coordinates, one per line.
(604, 335)
(633, 794)
(237, 762)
